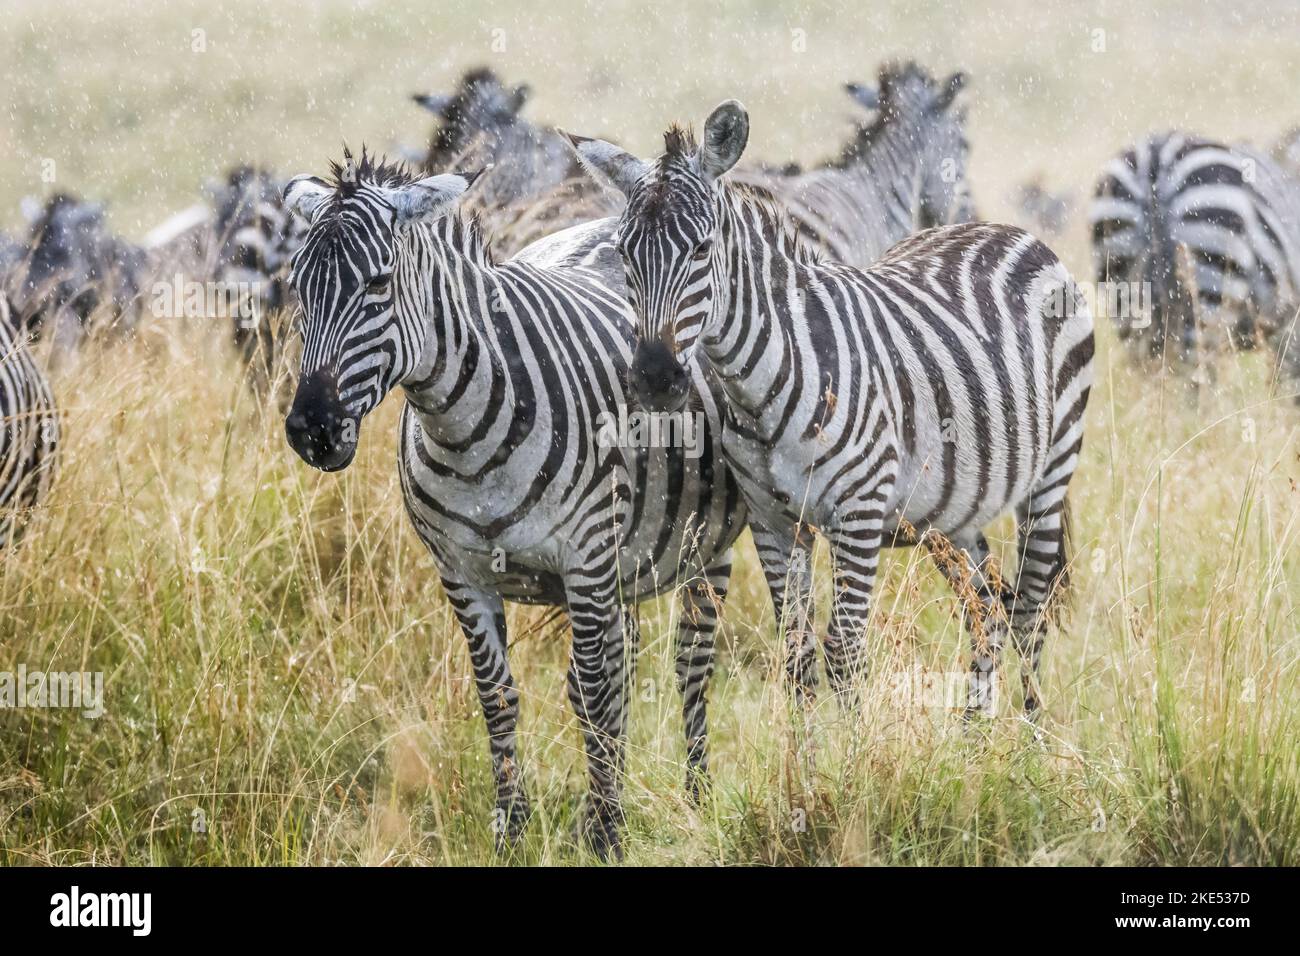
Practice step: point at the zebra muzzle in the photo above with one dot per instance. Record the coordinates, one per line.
(660, 383)
(319, 427)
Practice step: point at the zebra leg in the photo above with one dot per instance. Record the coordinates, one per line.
(855, 542)
(787, 566)
(701, 602)
(1042, 575)
(482, 617)
(597, 699)
(621, 660)
(966, 566)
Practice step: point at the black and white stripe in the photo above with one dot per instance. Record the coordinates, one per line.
(1214, 232)
(904, 171)
(940, 389)
(29, 429)
(508, 371)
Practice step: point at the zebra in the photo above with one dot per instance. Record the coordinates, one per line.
(509, 468)
(536, 186)
(29, 429)
(1213, 231)
(925, 396)
(254, 235)
(903, 171)
(75, 272)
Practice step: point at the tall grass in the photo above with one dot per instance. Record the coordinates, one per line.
(285, 683)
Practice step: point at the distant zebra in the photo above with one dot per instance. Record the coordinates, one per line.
(255, 235)
(1214, 232)
(75, 272)
(904, 171)
(512, 469)
(535, 187)
(29, 429)
(939, 389)
(480, 121)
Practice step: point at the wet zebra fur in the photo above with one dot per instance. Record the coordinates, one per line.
(509, 372)
(938, 390)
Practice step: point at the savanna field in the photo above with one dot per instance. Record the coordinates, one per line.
(284, 682)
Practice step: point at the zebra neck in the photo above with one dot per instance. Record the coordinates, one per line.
(460, 367)
(758, 296)
(886, 181)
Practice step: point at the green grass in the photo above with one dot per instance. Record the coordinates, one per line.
(280, 665)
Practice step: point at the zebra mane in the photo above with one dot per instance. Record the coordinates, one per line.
(773, 214)
(679, 143)
(349, 175)
(465, 231)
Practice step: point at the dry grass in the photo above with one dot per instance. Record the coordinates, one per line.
(281, 668)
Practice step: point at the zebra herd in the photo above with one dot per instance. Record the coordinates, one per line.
(867, 362)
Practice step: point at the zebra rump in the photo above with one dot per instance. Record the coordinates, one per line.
(1209, 235)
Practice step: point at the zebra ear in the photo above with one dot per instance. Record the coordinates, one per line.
(433, 197)
(726, 132)
(433, 102)
(951, 88)
(607, 164)
(864, 96)
(304, 194)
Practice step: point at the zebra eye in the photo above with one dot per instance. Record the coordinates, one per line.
(378, 286)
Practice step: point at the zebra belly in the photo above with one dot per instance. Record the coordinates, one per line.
(525, 557)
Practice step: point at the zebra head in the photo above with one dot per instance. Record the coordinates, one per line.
(666, 238)
(917, 130)
(362, 328)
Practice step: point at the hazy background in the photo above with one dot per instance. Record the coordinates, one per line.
(117, 96)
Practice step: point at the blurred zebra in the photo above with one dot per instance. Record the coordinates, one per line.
(936, 391)
(75, 272)
(480, 123)
(1046, 213)
(255, 236)
(511, 473)
(903, 171)
(535, 186)
(29, 429)
(1214, 231)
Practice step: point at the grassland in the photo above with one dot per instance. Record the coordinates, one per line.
(284, 682)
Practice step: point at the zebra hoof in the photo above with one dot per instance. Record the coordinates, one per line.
(697, 784)
(508, 824)
(601, 829)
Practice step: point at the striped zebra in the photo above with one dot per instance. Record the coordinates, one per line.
(254, 237)
(934, 392)
(511, 468)
(76, 273)
(29, 429)
(904, 171)
(1213, 232)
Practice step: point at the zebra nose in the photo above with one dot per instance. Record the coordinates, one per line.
(659, 382)
(318, 425)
